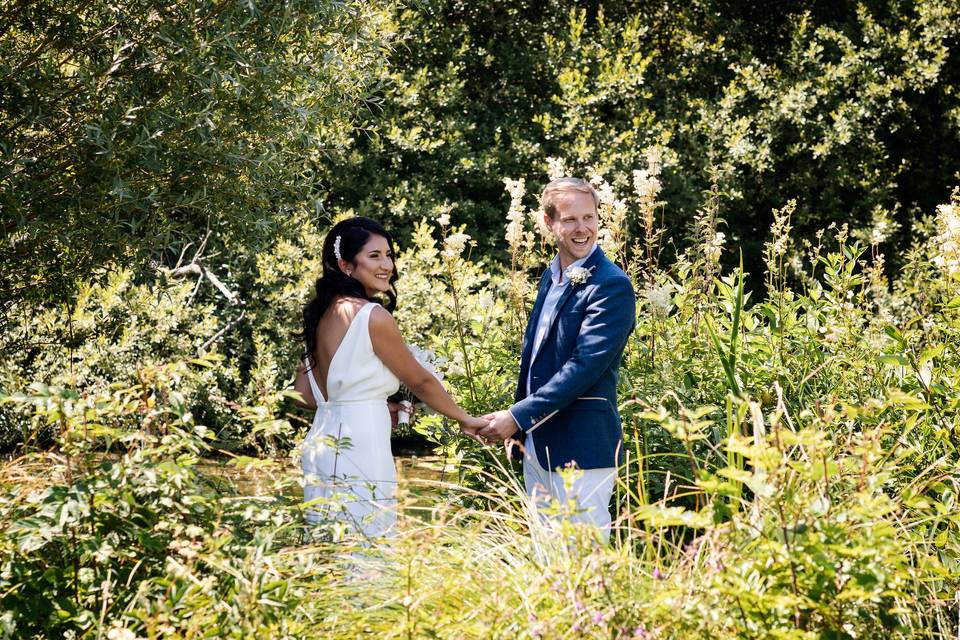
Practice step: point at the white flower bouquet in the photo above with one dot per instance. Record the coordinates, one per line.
(429, 361)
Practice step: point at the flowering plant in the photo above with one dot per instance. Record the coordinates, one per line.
(429, 361)
(577, 275)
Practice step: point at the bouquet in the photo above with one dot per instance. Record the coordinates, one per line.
(429, 361)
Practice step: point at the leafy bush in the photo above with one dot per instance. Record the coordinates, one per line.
(132, 129)
(770, 101)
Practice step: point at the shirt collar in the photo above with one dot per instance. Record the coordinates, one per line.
(556, 275)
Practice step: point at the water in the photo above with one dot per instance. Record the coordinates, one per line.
(418, 475)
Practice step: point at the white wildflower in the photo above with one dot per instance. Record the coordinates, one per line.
(606, 241)
(185, 548)
(779, 245)
(428, 359)
(647, 185)
(659, 299)
(947, 240)
(516, 188)
(833, 333)
(654, 160)
(780, 236)
(176, 569)
(604, 190)
(104, 553)
(882, 226)
(444, 219)
(556, 168)
(454, 245)
(540, 223)
(121, 633)
(485, 300)
(520, 287)
(796, 264)
(455, 368)
(516, 236)
(7, 624)
(880, 232)
(714, 247)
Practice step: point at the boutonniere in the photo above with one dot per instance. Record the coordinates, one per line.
(577, 275)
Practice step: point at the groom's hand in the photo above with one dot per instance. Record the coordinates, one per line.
(471, 427)
(501, 426)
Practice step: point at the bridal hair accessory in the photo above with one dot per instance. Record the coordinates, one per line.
(577, 275)
(336, 248)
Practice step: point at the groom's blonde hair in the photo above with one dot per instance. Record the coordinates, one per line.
(556, 188)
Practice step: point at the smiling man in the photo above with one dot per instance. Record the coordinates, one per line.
(565, 408)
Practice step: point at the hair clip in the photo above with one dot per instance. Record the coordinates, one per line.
(336, 248)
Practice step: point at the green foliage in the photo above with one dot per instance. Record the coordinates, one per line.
(121, 525)
(123, 323)
(112, 331)
(131, 129)
(768, 100)
(791, 424)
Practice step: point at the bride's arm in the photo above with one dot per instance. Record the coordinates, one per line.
(389, 346)
(302, 385)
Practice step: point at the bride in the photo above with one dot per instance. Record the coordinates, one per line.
(354, 359)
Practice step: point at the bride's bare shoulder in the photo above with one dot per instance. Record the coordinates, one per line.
(346, 307)
(382, 322)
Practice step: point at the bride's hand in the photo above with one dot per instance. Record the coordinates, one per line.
(471, 427)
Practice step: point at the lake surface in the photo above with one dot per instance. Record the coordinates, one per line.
(419, 477)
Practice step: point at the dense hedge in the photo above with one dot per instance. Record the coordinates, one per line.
(129, 130)
(850, 107)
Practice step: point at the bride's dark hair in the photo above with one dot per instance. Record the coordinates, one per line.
(349, 236)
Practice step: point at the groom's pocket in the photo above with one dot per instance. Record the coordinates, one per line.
(585, 403)
(593, 413)
(587, 431)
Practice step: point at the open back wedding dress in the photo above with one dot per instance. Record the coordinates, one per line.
(347, 462)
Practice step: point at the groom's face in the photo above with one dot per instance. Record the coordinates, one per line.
(574, 226)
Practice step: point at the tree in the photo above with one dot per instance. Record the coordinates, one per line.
(848, 107)
(128, 129)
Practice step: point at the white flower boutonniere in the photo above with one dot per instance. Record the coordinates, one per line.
(577, 275)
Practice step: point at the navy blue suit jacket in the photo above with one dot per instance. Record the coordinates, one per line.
(571, 405)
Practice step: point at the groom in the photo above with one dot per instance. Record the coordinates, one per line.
(565, 410)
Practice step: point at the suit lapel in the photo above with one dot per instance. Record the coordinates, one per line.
(531, 328)
(591, 263)
(542, 290)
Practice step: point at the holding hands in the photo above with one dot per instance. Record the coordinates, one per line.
(471, 426)
(493, 427)
(500, 426)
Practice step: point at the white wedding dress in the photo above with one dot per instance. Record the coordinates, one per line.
(346, 455)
